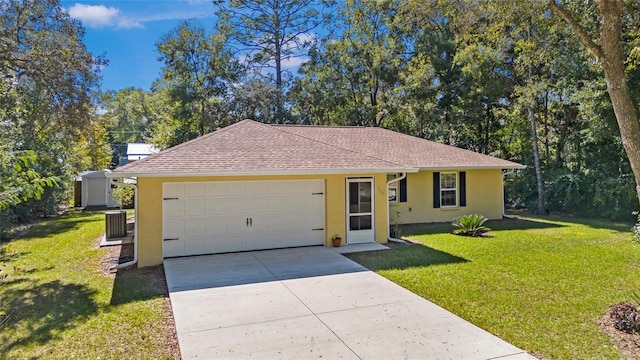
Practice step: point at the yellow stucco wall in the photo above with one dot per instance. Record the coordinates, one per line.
(149, 220)
(484, 197)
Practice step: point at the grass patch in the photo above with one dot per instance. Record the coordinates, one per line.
(539, 283)
(61, 305)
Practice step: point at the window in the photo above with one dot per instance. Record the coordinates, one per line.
(448, 190)
(393, 188)
(397, 190)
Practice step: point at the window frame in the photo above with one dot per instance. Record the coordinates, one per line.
(395, 186)
(454, 189)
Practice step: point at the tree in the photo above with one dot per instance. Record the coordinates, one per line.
(198, 73)
(351, 80)
(272, 32)
(129, 115)
(47, 85)
(608, 48)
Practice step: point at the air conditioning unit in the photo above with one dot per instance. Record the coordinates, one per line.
(116, 224)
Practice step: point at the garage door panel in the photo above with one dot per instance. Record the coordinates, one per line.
(195, 190)
(173, 247)
(195, 245)
(236, 224)
(314, 187)
(297, 203)
(194, 227)
(315, 203)
(257, 204)
(196, 207)
(237, 242)
(216, 226)
(174, 208)
(173, 229)
(277, 204)
(237, 205)
(258, 241)
(286, 188)
(236, 188)
(216, 217)
(217, 244)
(275, 221)
(216, 189)
(257, 188)
(297, 222)
(216, 206)
(175, 190)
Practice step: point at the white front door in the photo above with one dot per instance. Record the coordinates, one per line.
(360, 209)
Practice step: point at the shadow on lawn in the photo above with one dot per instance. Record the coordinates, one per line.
(50, 227)
(416, 255)
(132, 285)
(35, 313)
(593, 223)
(504, 224)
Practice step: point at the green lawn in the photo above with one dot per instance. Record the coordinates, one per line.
(539, 283)
(61, 305)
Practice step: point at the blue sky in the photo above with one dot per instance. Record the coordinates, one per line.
(126, 33)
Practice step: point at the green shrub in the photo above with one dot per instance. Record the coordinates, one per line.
(470, 225)
(123, 196)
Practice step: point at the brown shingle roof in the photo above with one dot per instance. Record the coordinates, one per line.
(399, 148)
(249, 147)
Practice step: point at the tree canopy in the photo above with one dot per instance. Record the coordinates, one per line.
(552, 84)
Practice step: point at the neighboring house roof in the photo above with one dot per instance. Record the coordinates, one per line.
(138, 151)
(249, 147)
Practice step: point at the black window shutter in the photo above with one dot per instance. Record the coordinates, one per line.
(403, 190)
(463, 188)
(436, 189)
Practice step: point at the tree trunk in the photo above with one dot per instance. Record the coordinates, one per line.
(536, 160)
(610, 54)
(614, 73)
(534, 139)
(279, 106)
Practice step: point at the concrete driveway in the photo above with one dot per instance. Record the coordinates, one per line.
(311, 303)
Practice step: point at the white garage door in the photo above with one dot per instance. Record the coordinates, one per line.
(227, 216)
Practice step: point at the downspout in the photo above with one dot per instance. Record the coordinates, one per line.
(508, 172)
(135, 224)
(389, 238)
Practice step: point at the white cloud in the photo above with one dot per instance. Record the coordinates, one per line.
(294, 61)
(98, 16)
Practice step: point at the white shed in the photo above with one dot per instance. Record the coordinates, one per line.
(97, 190)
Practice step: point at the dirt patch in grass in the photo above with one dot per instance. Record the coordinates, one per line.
(627, 343)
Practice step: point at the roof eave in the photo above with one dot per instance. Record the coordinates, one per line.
(488, 167)
(119, 174)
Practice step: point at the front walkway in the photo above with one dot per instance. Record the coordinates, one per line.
(311, 303)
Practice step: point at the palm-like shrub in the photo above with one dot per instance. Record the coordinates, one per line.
(470, 225)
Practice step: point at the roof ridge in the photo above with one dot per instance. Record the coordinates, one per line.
(181, 145)
(324, 126)
(343, 148)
